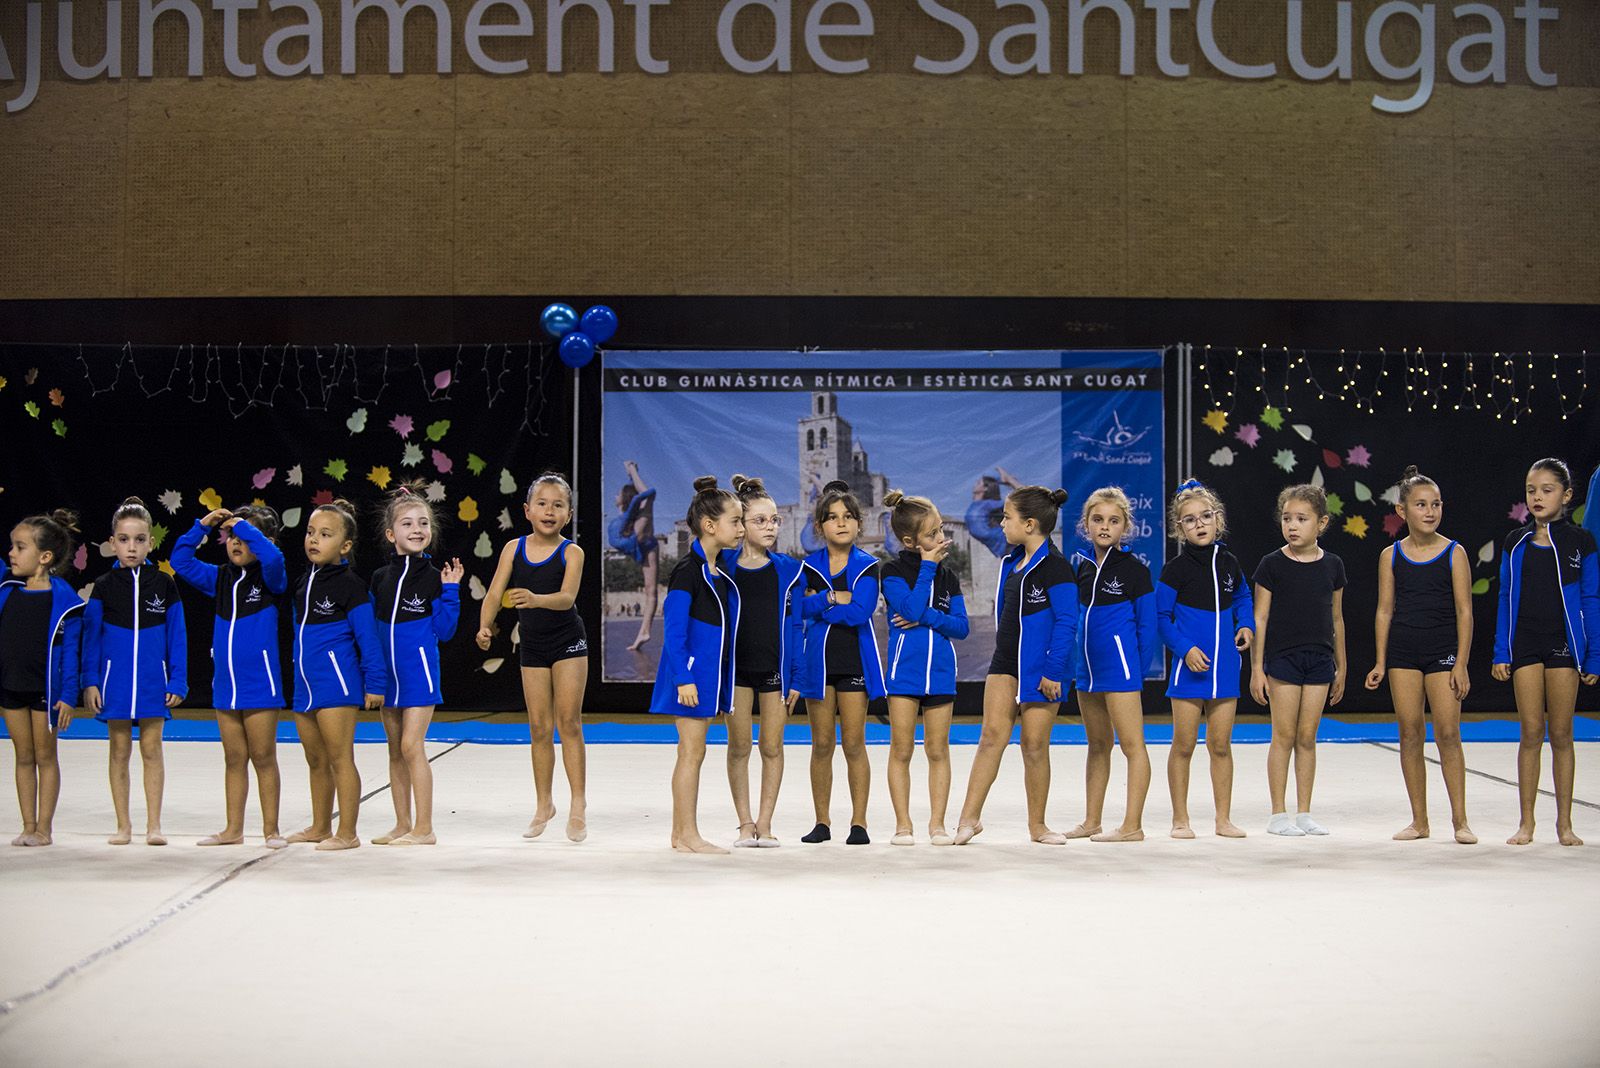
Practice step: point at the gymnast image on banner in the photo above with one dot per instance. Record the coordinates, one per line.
(962, 428)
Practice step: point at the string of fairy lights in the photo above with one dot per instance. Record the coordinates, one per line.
(1507, 384)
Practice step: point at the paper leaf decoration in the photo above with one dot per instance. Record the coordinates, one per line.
(1392, 524)
(475, 463)
(434, 492)
(357, 421)
(166, 568)
(1486, 553)
(1271, 416)
(80, 559)
(1358, 456)
(1303, 430)
(491, 666)
(437, 431)
(1356, 526)
(1480, 587)
(1223, 457)
(295, 476)
(32, 376)
(1331, 458)
(336, 470)
(210, 499)
(321, 497)
(483, 548)
(1250, 434)
(1363, 494)
(508, 485)
(158, 534)
(476, 588)
(262, 478)
(380, 477)
(58, 398)
(1284, 459)
(1317, 477)
(60, 427)
(412, 456)
(402, 425)
(1336, 505)
(1216, 419)
(1519, 512)
(1391, 496)
(291, 518)
(441, 381)
(171, 500)
(468, 511)
(31, 408)
(442, 463)
(503, 520)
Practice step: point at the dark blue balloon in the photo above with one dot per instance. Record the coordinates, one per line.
(559, 320)
(600, 323)
(577, 349)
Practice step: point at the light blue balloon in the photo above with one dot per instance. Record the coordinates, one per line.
(559, 320)
(600, 323)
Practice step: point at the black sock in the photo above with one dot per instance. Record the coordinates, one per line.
(858, 835)
(819, 833)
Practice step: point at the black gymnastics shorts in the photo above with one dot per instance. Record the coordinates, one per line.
(926, 700)
(31, 700)
(1549, 649)
(759, 681)
(544, 650)
(848, 683)
(1303, 667)
(1004, 663)
(1428, 650)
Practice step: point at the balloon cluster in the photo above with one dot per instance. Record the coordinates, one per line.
(579, 335)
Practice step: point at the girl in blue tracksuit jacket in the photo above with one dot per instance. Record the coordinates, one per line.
(1116, 640)
(246, 681)
(842, 670)
(927, 614)
(700, 624)
(1036, 630)
(41, 633)
(135, 663)
(1547, 635)
(338, 667)
(767, 650)
(417, 606)
(1206, 616)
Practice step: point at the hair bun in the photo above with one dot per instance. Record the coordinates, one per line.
(134, 501)
(892, 498)
(1409, 472)
(67, 518)
(705, 483)
(837, 486)
(341, 504)
(1058, 497)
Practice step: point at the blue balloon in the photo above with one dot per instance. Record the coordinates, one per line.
(600, 323)
(577, 349)
(559, 320)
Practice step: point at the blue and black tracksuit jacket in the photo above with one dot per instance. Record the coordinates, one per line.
(245, 671)
(1117, 634)
(791, 628)
(337, 656)
(1048, 635)
(861, 575)
(62, 680)
(1202, 601)
(1579, 577)
(415, 611)
(700, 618)
(135, 646)
(922, 659)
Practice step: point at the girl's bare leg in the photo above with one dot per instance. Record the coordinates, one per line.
(538, 694)
(1097, 763)
(1406, 688)
(686, 787)
(568, 679)
(119, 732)
(1528, 684)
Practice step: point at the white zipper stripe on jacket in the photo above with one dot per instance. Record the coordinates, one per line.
(1566, 620)
(722, 614)
(1511, 622)
(394, 613)
(872, 628)
(133, 702)
(1088, 661)
(1022, 596)
(233, 621)
(783, 630)
(933, 588)
(300, 636)
(1216, 619)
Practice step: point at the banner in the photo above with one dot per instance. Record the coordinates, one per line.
(962, 428)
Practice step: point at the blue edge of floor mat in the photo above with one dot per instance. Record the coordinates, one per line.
(1584, 729)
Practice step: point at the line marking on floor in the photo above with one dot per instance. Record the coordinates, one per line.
(1482, 774)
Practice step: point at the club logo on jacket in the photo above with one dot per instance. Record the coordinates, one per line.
(1036, 595)
(1113, 587)
(254, 596)
(157, 605)
(1227, 583)
(323, 607)
(414, 604)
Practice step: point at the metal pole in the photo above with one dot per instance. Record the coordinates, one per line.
(577, 373)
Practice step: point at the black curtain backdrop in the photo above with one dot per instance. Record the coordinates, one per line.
(171, 414)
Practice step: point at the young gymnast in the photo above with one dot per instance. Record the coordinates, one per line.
(417, 606)
(1547, 636)
(767, 651)
(1036, 630)
(41, 635)
(1423, 628)
(246, 679)
(926, 614)
(1116, 639)
(1298, 660)
(135, 664)
(539, 575)
(700, 623)
(842, 670)
(338, 667)
(1207, 619)
(632, 533)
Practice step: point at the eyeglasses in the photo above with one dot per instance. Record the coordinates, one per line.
(1200, 517)
(761, 522)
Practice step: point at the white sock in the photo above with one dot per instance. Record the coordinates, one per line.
(1309, 825)
(1280, 823)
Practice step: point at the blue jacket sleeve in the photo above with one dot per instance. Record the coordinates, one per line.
(365, 626)
(1589, 600)
(1244, 606)
(1144, 619)
(1167, 620)
(952, 624)
(447, 613)
(94, 616)
(197, 573)
(71, 658)
(1502, 618)
(795, 621)
(1058, 664)
(675, 638)
(177, 651)
(273, 571)
(897, 597)
(863, 602)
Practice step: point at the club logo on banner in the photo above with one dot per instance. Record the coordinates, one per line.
(962, 428)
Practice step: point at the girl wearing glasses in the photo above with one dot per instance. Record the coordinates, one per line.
(1206, 617)
(767, 654)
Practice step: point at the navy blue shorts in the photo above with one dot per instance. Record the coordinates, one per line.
(1303, 667)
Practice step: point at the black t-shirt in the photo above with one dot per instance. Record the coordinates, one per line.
(1539, 608)
(760, 618)
(1301, 615)
(24, 645)
(1008, 632)
(844, 645)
